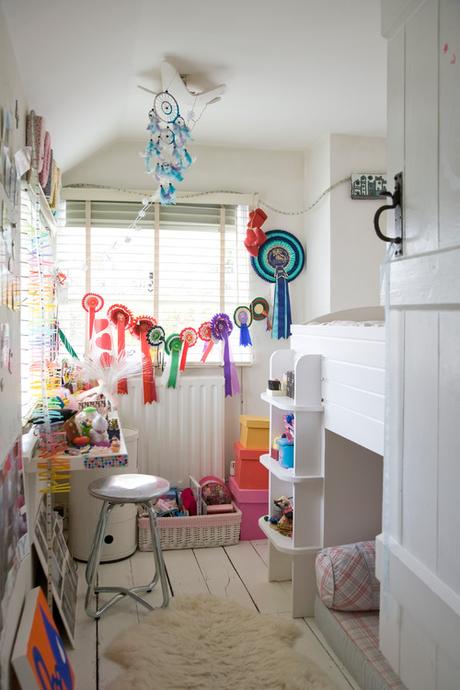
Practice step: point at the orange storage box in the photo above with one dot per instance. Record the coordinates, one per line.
(249, 473)
(254, 432)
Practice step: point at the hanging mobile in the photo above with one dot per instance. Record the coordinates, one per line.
(280, 259)
(122, 318)
(92, 303)
(173, 346)
(189, 338)
(140, 326)
(243, 318)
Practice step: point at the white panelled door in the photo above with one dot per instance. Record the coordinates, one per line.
(419, 554)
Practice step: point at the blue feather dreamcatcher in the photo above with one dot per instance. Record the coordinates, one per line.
(166, 155)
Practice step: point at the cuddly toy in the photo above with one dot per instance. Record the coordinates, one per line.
(283, 517)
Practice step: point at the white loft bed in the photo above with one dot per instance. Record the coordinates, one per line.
(336, 482)
(352, 372)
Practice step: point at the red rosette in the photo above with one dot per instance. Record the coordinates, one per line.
(189, 337)
(140, 326)
(122, 318)
(205, 334)
(205, 331)
(120, 314)
(92, 302)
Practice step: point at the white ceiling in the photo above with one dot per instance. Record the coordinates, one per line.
(294, 69)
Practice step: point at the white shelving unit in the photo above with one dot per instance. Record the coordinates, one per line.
(293, 557)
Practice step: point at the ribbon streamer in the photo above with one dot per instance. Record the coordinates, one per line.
(141, 326)
(189, 338)
(221, 327)
(205, 334)
(92, 303)
(243, 319)
(67, 344)
(282, 307)
(173, 346)
(122, 319)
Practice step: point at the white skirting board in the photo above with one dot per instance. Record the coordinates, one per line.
(182, 433)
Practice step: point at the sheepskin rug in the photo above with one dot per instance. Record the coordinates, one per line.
(207, 643)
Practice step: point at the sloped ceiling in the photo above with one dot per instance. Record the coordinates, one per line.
(294, 70)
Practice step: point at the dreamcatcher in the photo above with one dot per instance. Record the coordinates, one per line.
(221, 328)
(121, 318)
(280, 259)
(189, 338)
(140, 326)
(243, 318)
(166, 155)
(173, 346)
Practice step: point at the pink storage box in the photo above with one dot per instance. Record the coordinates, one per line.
(253, 503)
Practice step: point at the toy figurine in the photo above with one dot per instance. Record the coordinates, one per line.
(282, 518)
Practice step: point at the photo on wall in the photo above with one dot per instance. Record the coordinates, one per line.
(14, 544)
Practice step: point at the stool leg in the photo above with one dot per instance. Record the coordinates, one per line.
(95, 557)
(90, 561)
(158, 556)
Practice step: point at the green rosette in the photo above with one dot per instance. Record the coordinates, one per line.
(156, 336)
(173, 346)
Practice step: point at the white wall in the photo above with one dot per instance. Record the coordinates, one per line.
(344, 254)
(10, 90)
(276, 175)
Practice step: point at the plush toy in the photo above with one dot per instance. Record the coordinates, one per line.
(282, 517)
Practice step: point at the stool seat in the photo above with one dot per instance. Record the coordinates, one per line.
(129, 488)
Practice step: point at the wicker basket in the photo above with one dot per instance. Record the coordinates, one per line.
(194, 532)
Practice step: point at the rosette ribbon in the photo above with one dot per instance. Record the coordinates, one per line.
(260, 310)
(173, 346)
(281, 306)
(205, 334)
(189, 337)
(155, 337)
(243, 319)
(221, 327)
(122, 319)
(140, 326)
(92, 303)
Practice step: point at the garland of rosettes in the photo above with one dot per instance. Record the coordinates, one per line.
(151, 335)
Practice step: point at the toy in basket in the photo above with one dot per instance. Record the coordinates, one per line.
(212, 519)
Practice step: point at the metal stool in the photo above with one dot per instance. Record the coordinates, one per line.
(141, 489)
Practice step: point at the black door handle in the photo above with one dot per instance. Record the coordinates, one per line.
(396, 198)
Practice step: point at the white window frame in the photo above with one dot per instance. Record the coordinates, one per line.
(94, 194)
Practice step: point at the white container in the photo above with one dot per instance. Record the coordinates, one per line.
(120, 536)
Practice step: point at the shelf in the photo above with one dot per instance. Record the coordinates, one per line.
(282, 402)
(96, 458)
(286, 475)
(282, 543)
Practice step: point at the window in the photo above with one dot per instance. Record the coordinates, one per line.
(182, 264)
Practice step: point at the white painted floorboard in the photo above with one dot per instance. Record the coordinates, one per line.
(238, 572)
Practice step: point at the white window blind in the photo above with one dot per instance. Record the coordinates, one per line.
(182, 264)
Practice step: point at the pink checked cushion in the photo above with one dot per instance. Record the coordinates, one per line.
(345, 577)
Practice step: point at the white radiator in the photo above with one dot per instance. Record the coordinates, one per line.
(182, 433)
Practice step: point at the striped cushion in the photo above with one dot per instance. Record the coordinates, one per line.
(345, 577)
(363, 630)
